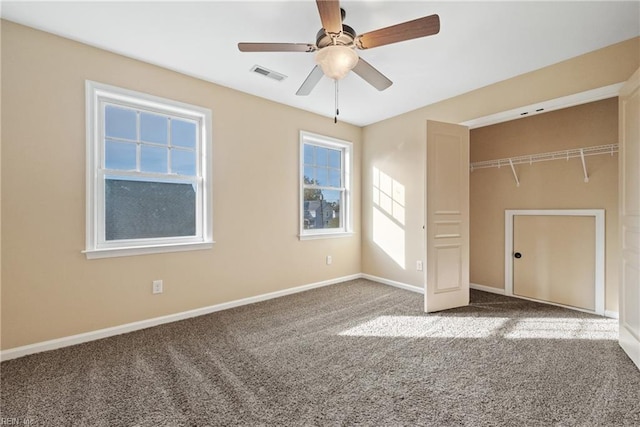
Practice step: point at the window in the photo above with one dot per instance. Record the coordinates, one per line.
(325, 199)
(148, 174)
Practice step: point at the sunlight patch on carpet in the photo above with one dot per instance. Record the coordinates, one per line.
(484, 327)
(428, 327)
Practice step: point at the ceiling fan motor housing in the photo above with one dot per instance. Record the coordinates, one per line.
(346, 37)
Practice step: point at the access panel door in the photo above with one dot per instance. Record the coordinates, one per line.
(554, 259)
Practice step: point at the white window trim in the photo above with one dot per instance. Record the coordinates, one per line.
(95, 93)
(347, 147)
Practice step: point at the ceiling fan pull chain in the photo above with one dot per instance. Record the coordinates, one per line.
(335, 118)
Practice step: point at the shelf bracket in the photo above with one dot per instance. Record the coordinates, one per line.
(515, 175)
(584, 166)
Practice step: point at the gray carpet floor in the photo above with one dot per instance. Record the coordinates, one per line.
(357, 353)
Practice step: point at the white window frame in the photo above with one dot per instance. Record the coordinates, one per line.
(346, 210)
(98, 95)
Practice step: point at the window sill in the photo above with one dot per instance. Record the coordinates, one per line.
(325, 235)
(145, 250)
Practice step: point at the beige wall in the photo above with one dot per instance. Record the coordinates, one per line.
(547, 185)
(51, 290)
(397, 145)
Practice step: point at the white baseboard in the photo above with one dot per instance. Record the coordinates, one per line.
(629, 344)
(393, 283)
(16, 352)
(484, 288)
(499, 291)
(607, 313)
(611, 314)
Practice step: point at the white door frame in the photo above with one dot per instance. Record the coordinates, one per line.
(598, 214)
(629, 221)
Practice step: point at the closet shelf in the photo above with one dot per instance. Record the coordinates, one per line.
(543, 157)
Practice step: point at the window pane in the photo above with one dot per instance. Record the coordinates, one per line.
(334, 159)
(153, 159)
(308, 154)
(153, 128)
(140, 209)
(120, 122)
(183, 134)
(322, 209)
(322, 156)
(183, 162)
(119, 155)
(333, 219)
(334, 177)
(332, 196)
(309, 176)
(321, 176)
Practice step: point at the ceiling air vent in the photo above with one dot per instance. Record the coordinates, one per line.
(268, 73)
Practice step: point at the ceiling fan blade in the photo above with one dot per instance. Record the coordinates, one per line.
(371, 75)
(330, 15)
(421, 27)
(311, 81)
(276, 47)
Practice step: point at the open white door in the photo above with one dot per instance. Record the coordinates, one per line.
(447, 222)
(629, 195)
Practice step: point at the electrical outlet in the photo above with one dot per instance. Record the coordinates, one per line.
(329, 260)
(157, 287)
(419, 265)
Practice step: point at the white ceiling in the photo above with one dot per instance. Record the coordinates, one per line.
(479, 43)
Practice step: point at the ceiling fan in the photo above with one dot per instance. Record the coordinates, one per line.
(336, 43)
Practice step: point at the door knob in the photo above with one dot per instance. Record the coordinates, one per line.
(517, 255)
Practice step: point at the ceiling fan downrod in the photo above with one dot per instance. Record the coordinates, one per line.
(335, 118)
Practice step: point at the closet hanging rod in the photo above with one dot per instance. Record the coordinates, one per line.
(543, 157)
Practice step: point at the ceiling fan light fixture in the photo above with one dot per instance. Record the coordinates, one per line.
(336, 60)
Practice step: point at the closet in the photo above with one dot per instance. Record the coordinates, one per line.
(524, 174)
